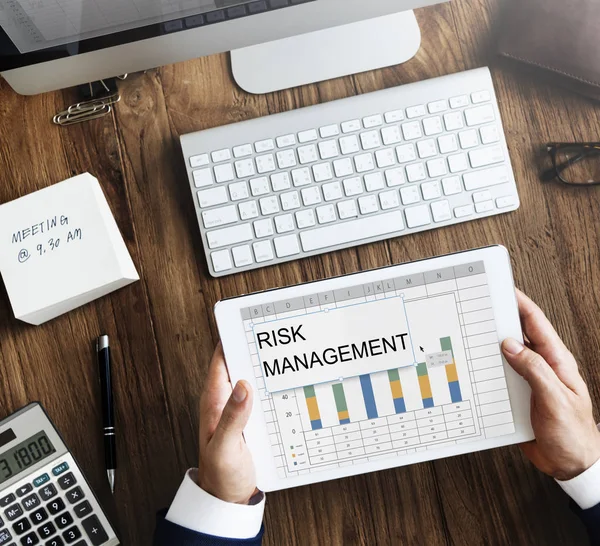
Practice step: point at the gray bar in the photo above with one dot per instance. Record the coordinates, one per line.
(311, 301)
(440, 275)
(286, 306)
(410, 281)
(255, 312)
(246, 314)
(352, 293)
(389, 286)
(369, 289)
(268, 309)
(326, 298)
(379, 287)
(467, 270)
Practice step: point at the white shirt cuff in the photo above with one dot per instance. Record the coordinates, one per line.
(197, 510)
(585, 488)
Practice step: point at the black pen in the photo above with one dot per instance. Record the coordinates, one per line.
(108, 413)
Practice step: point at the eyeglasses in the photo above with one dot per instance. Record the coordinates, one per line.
(574, 164)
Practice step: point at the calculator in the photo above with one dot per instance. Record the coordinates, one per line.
(44, 497)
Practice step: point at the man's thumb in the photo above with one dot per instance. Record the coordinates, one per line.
(236, 412)
(529, 365)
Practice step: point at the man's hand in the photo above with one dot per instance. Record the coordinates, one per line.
(226, 470)
(567, 441)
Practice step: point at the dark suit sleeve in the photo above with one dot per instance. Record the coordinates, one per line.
(169, 534)
(591, 520)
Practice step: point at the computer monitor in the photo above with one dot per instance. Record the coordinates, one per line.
(53, 44)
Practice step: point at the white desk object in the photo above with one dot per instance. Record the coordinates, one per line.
(60, 248)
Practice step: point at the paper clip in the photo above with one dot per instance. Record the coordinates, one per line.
(88, 110)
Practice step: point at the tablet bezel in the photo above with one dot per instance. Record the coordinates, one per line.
(504, 302)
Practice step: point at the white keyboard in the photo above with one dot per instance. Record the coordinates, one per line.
(353, 171)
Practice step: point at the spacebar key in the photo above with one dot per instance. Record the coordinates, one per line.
(350, 232)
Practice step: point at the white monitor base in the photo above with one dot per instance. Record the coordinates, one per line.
(327, 54)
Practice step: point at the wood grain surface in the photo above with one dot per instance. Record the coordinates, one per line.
(163, 331)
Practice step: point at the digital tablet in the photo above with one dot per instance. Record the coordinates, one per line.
(378, 369)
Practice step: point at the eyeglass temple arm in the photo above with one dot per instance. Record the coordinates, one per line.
(552, 173)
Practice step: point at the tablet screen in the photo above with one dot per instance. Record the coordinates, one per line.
(378, 370)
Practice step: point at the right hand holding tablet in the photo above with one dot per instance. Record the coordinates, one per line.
(567, 441)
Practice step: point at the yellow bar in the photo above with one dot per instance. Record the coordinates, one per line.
(313, 408)
(343, 415)
(425, 387)
(451, 373)
(396, 390)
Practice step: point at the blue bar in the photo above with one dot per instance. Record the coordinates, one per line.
(316, 424)
(427, 402)
(455, 391)
(367, 389)
(344, 421)
(399, 405)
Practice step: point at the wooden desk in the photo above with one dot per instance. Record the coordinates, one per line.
(163, 331)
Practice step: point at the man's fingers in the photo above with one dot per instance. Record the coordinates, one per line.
(532, 367)
(235, 415)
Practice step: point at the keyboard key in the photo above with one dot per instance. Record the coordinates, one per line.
(505, 202)
(437, 106)
(415, 172)
(489, 134)
(203, 178)
(199, 161)
(308, 136)
(462, 212)
(207, 198)
(22, 491)
(284, 223)
(352, 231)
(6, 500)
(263, 228)
(281, 181)
(486, 157)
(265, 163)
(224, 173)
(480, 115)
(343, 167)
(372, 121)
(301, 177)
(412, 130)
(349, 145)
(305, 218)
(459, 102)
(410, 195)
(395, 116)
(286, 246)
(57, 541)
(5, 536)
(242, 256)
(368, 204)
(64, 520)
(481, 96)
(229, 236)
(353, 186)
(391, 135)
(269, 205)
(38, 516)
(347, 209)
(30, 540)
(41, 480)
(448, 144)
(328, 149)
(242, 151)
(374, 182)
(75, 495)
(417, 216)
(468, 139)
(238, 191)
(286, 159)
(322, 172)
(221, 155)
(415, 111)
(245, 168)
(72, 534)
(326, 214)
(329, 131)
(431, 191)
(385, 158)
(441, 211)
(451, 185)
(458, 163)
(13, 512)
(248, 210)
(259, 186)
(286, 140)
(389, 200)
(311, 196)
(433, 126)
(454, 121)
(406, 153)
(94, 530)
(364, 163)
(437, 167)
(308, 154)
(264, 146)
(290, 200)
(427, 148)
(486, 206)
(351, 126)
(21, 526)
(332, 191)
(47, 530)
(221, 260)
(55, 506)
(370, 140)
(394, 177)
(480, 196)
(219, 217)
(263, 251)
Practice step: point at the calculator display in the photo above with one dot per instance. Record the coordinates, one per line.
(26, 454)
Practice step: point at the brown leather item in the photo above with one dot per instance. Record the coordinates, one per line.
(559, 37)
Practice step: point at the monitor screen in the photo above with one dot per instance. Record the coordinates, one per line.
(33, 31)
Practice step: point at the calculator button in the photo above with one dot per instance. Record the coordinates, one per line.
(63, 520)
(47, 492)
(41, 480)
(30, 539)
(83, 509)
(24, 490)
(56, 541)
(58, 470)
(38, 516)
(72, 534)
(13, 512)
(5, 536)
(94, 530)
(55, 506)
(31, 502)
(5, 501)
(75, 495)
(46, 530)
(68, 480)
(21, 526)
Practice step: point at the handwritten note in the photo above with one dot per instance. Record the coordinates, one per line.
(60, 248)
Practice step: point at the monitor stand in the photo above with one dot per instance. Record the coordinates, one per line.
(327, 54)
